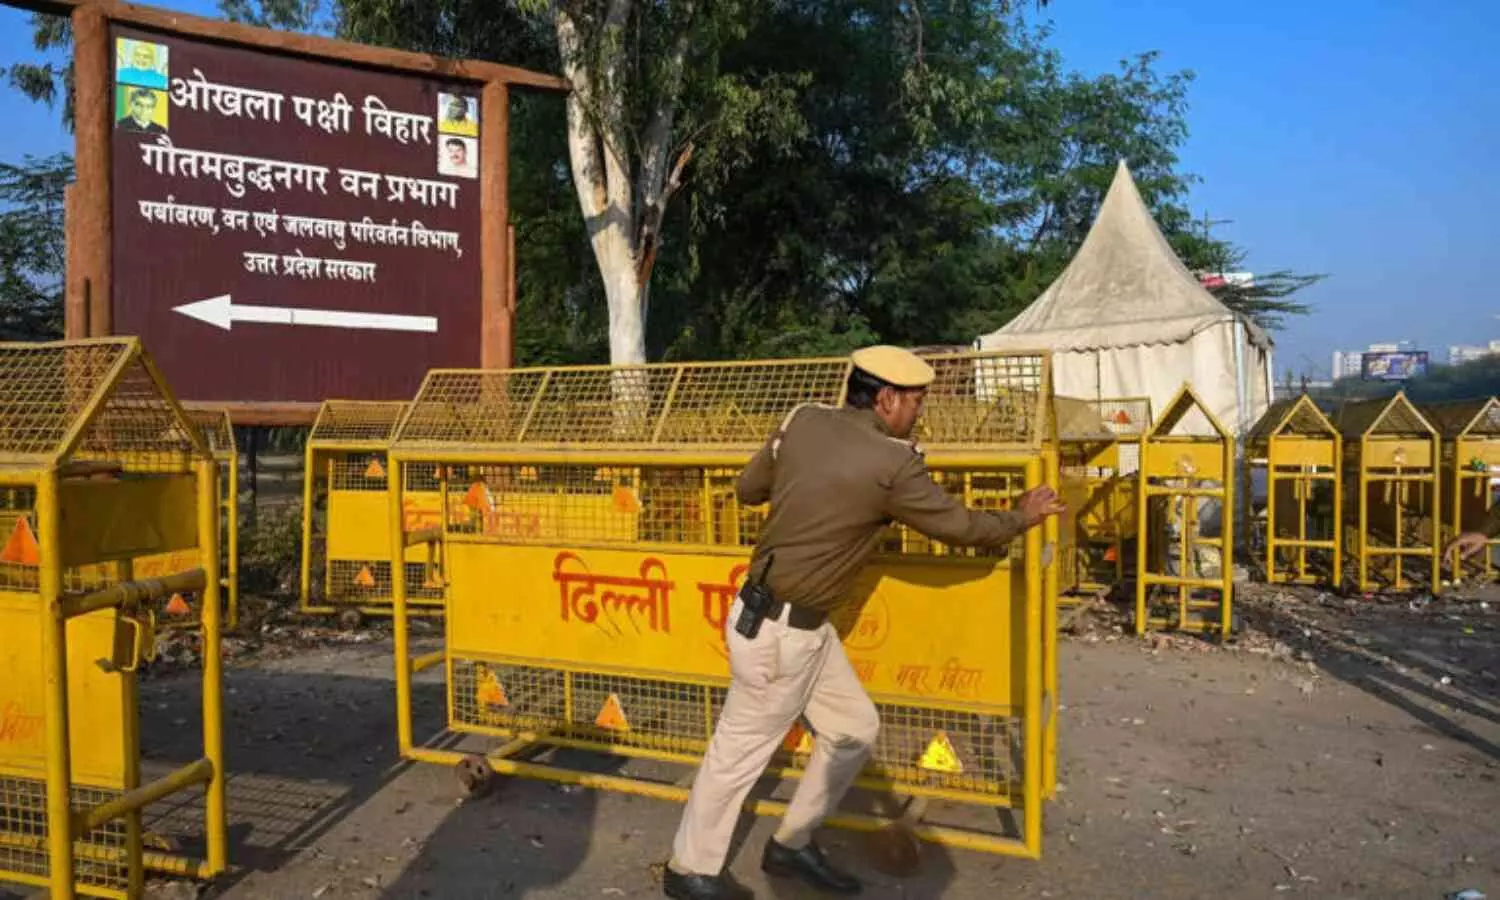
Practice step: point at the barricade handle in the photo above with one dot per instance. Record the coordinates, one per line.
(135, 637)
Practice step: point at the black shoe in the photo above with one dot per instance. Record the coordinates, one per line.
(810, 865)
(702, 887)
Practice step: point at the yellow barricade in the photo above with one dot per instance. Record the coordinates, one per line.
(608, 635)
(1186, 511)
(99, 468)
(218, 433)
(1099, 444)
(346, 564)
(1391, 457)
(1301, 451)
(1470, 432)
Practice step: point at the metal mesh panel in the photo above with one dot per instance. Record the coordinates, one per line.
(991, 491)
(356, 421)
(1402, 418)
(988, 747)
(743, 404)
(977, 399)
(136, 425)
(361, 581)
(217, 430)
(471, 407)
(986, 399)
(659, 504)
(423, 477)
(1458, 418)
(1093, 420)
(620, 711)
(1307, 420)
(1079, 420)
(99, 856)
(44, 388)
(358, 471)
(1395, 416)
(16, 504)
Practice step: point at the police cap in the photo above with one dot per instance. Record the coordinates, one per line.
(894, 366)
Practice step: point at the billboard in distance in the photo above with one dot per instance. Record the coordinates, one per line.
(1212, 280)
(1393, 365)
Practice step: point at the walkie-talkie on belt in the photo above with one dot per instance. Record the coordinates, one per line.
(758, 602)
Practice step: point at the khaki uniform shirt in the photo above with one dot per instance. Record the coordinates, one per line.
(836, 480)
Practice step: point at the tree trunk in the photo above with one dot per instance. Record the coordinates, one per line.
(601, 176)
(627, 303)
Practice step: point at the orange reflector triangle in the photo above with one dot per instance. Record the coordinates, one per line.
(374, 469)
(626, 501)
(365, 578)
(612, 716)
(798, 740)
(940, 756)
(491, 693)
(478, 497)
(1122, 418)
(1110, 555)
(177, 606)
(20, 547)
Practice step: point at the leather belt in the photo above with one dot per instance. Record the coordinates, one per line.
(804, 618)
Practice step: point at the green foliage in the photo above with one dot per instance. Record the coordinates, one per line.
(286, 15)
(1473, 380)
(46, 81)
(860, 170)
(271, 548)
(31, 247)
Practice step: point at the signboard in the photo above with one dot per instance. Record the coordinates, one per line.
(1212, 280)
(288, 229)
(1393, 365)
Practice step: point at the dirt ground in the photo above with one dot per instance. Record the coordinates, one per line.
(1339, 749)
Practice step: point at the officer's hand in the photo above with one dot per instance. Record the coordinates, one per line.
(1467, 544)
(1039, 503)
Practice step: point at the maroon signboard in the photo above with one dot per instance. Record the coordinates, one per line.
(288, 230)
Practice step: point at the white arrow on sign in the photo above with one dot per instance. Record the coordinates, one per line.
(222, 312)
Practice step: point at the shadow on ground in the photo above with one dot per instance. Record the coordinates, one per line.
(1436, 660)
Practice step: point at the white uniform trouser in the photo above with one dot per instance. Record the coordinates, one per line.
(784, 673)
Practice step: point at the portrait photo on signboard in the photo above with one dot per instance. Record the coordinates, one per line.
(141, 63)
(458, 114)
(140, 109)
(458, 156)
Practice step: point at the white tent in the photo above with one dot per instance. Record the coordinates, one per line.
(1127, 319)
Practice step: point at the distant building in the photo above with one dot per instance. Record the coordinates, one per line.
(1349, 363)
(1345, 364)
(1458, 355)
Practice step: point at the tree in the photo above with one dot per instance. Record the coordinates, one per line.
(31, 247)
(648, 95)
(797, 178)
(1265, 300)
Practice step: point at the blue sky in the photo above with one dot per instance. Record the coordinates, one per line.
(1353, 139)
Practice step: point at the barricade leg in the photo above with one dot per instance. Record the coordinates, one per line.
(130, 685)
(1033, 751)
(400, 623)
(55, 678)
(309, 495)
(232, 535)
(1052, 535)
(216, 824)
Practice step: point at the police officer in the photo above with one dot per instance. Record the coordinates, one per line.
(835, 478)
